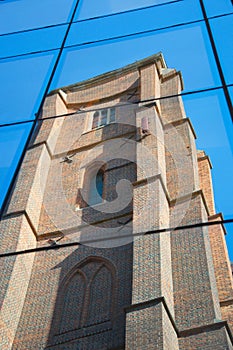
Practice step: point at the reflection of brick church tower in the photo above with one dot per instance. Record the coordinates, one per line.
(107, 168)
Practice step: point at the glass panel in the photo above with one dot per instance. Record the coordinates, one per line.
(229, 240)
(131, 22)
(223, 33)
(91, 8)
(185, 48)
(213, 127)
(95, 189)
(22, 85)
(27, 14)
(95, 120)
(230, 89)
(216, 7)
(103, 117)
(99, 182)
(31, 41)
(112, 115)
(12, 141)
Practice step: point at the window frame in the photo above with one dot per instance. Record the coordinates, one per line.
(93, 178)
(103, 117)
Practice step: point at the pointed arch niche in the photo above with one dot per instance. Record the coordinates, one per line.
(86, 299)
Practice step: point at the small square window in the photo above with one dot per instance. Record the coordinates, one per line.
(103, 117)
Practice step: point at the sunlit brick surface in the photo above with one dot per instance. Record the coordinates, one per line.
(168, 290)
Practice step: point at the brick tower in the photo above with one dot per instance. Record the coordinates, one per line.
(118, 160)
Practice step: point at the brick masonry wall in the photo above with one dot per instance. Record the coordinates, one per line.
(216, 337)
(182, 179)
(222, 269)
(171, 108)
(50, 270)
(144, 331)
(103, 89)
(195, 291)
(221, 260)
(16, 234)
(204, 170)
(145, 322)
(113, 335)
(227, 313)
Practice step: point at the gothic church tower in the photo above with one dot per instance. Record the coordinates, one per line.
(118, 160)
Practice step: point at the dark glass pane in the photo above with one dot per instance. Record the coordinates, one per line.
(12, 141)
(112, 115)
(95, 189)
(31, 41)
(104, 112)
(217, 7)
(99, 182)
(23, 83)
(223, 33)
(27, 14)
(137, 21)
(95, 120)
(92, 8)
(185, 48)
(103, 120)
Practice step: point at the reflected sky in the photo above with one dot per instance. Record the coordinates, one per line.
(24, 80)
(212, 124)
(32, 41)
(224, 43)
(27, 14)
(217, 7)
(92, 8)
(12, 141)
(131, 22)
(185, 48)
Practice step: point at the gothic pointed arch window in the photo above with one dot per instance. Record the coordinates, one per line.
(73, 299)
(99, 308)
(86, 298)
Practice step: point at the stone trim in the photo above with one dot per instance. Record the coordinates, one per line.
(179, 122)
(22, 213)
(202, 329)
(220, 217)
(54, 234)
(113, 74)
(148, 303)
(184, 333)
(34, 145)
(226, 302)
(199, 159)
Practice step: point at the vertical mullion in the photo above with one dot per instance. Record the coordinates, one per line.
(217, 60)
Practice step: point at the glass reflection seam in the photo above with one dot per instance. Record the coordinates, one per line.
(153, 30)
(125, 104)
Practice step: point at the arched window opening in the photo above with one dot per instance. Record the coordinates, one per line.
(103, 117)
(96, 186)
(87, 297)
(73, 302)
(99, 308)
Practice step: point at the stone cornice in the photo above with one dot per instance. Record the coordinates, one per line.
(113, 74)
